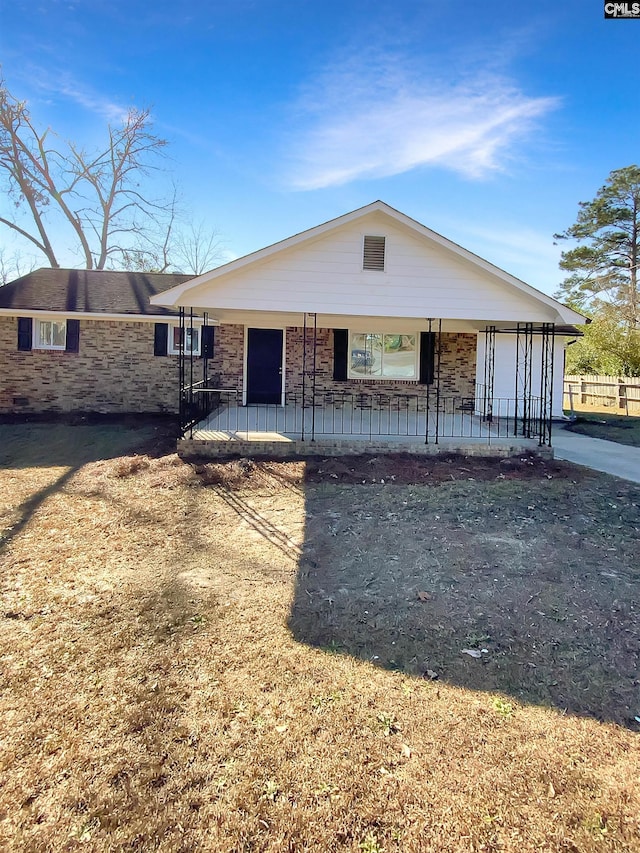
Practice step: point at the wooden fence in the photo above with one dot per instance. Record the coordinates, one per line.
(619, 394)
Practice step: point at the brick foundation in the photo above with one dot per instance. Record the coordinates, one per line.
(203, 449)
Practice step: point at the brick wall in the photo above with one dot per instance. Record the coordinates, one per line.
(457, 364)
(114, 371)
(457, 367)
(226, 366)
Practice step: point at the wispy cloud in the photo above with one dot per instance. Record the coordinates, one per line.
(54, 83)
(526, 252)
(93, 101)
(373, 119)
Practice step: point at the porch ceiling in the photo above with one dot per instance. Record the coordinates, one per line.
(367, 323)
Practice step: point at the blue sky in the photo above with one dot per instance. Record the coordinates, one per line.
(486, 121)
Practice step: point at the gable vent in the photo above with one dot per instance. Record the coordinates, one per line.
(373, 258)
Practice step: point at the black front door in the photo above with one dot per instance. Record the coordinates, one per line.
(264, 366)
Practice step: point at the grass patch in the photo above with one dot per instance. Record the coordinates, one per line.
(624, 429)
(236, 658)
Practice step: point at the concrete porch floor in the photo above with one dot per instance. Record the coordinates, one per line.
(280, 431)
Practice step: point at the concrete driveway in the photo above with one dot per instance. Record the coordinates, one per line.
(607, 456)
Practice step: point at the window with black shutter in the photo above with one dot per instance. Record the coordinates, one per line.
(340, 353)
(160, 338)
(427, 357)
(25, 333)
(73, 336)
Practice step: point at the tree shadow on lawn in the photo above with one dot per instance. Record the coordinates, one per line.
(60, 450)
(54, 444)
(537, 579)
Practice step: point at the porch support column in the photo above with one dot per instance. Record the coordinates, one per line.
(205, 396)
(547, 353)
(489, 372)
(304, 368)
(313, 381)
(524, 342)
(193, 408)
(184, 343)
(428, 400)
(205, 361)
(438, 362)
(181, 379)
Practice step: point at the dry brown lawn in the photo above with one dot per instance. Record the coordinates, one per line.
(269, 656)
(624, 429)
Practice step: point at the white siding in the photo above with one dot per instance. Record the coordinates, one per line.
(325, 275)
(504, 385)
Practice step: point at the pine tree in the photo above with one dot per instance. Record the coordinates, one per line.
(604, 266)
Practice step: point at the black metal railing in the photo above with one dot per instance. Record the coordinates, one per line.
(366, 415)
(198, 401)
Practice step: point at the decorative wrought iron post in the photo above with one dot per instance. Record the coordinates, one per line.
(524, 344)
(184, 343)
(428, 396)
(205, 395)
(438, 379)
(205, 360)
(181, 377)
(489, 372)
(547, 353)
(304, 368)
(313, 379)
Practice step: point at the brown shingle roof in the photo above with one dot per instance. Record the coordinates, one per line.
(92, 291)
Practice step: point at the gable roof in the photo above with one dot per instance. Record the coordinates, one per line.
(88, 291)
(186, 293)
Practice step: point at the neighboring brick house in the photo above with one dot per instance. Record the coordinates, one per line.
(89, 341)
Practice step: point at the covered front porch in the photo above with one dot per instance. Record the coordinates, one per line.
(371, 327)
(314, 404)
(358, 422)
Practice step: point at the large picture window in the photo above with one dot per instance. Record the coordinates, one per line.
(50, 334)
(383, 356)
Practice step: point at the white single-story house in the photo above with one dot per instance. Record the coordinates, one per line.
(371, 324)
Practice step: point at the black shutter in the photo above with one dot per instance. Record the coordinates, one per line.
(206, 350)
(160, 338)
(340, 352)
(25, 333)
(73, 336)
(427, 357)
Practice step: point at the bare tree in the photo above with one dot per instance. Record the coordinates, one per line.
(14, 265)
(196, 248)
(97, 194)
